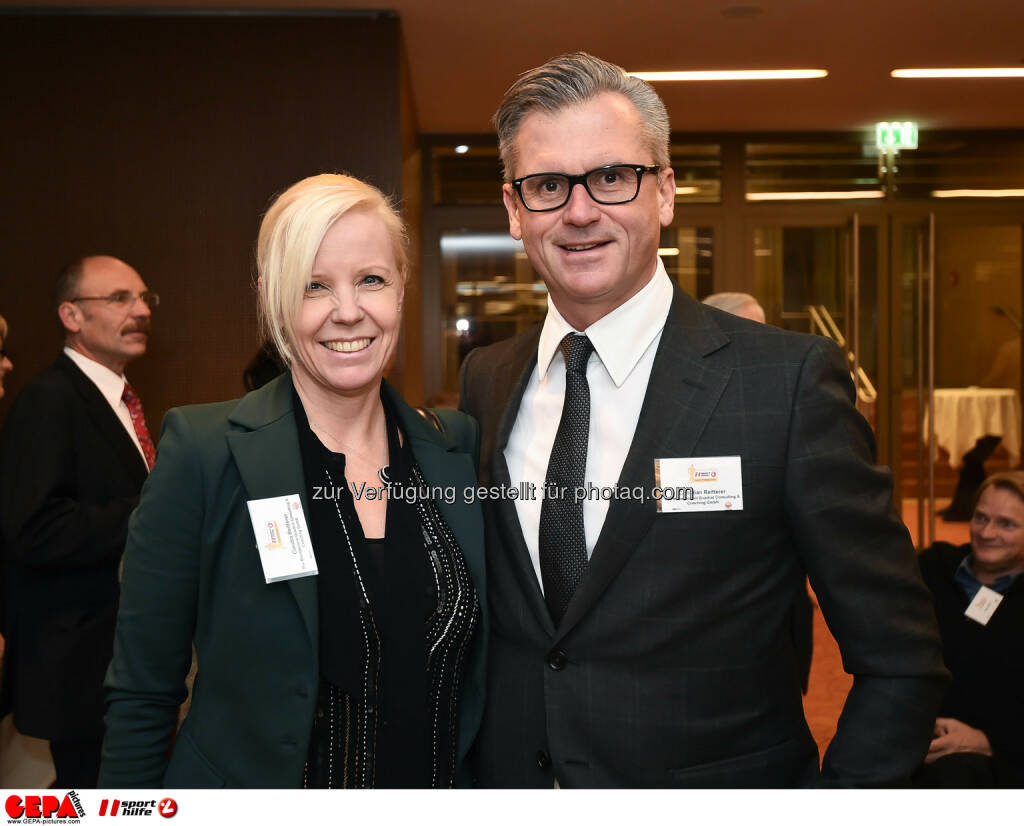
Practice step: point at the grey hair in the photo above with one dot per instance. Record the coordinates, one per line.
(572, 80)
(731, 302)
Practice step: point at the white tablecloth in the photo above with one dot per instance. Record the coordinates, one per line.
(965, 414)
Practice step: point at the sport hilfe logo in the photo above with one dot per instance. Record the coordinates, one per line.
(702, 475)
(273, 535)
(129, 808)
(35, 807)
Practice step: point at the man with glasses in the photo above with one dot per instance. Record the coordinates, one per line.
(75, 451)
(682, 469)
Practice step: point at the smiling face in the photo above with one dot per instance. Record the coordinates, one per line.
(346, 331)
(997, 534)
(593, 257)
(107, 332)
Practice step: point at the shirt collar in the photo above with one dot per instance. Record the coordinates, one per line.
(109, 383)
(965, 575)
(622, 336)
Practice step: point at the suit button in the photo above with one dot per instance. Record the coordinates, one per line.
(557, 660)
(543, 760)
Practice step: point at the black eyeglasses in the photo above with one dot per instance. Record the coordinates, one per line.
(123, 298)
(614, 184)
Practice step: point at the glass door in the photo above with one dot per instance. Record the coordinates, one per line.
(824, 279)
(960, 363)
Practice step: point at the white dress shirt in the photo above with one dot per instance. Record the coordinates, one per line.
(625, 342)
(111, 386)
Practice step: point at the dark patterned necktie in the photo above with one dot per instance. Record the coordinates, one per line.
(562, 542)
(134, 404)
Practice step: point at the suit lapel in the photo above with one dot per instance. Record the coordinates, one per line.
(269, 461)
(106, 420)
(510, 384)
(682, 394)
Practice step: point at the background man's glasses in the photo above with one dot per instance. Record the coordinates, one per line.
(124, 298)
(615, 184)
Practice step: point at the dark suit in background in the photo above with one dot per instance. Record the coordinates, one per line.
(674, 663)
(71, 476)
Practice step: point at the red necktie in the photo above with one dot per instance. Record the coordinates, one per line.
(131, 401)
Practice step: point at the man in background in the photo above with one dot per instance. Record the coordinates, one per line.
(74, 452)
(743, 305)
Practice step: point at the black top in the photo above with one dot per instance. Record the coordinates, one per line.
(385, 714)
(987, 661)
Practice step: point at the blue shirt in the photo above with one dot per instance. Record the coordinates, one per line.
(965, 578)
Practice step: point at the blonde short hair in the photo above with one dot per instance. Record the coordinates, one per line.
(290, 237)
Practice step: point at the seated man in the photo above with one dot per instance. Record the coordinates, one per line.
(979, 599)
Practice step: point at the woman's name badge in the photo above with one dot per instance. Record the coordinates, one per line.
(705, 483)
(984, 605)
(282, 537)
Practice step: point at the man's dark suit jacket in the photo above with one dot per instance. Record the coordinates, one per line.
(674, 662)
(71, 476)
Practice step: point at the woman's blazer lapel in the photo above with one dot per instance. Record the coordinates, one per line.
(266, 452)
(445, 466)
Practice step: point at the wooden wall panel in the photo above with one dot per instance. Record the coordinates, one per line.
(160, 139)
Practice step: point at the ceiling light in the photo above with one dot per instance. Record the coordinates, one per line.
(733, 74)
(480, 242)
(842, 195)
(461, 149)
(687, 190)
(978, 193)
(668, 250)
(991, 72)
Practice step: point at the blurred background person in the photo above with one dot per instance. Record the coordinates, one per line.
(265, 365)
(5, 367)
(745, 305)
(75, 451)
(5, 360)
(979, 734)
(371, 672)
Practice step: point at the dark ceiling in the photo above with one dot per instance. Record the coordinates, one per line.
(463, 54)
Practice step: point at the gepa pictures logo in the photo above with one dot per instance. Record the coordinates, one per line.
(36, 808)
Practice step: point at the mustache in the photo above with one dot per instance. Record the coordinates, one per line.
(140, 326)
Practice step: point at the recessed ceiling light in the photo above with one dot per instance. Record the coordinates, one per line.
(687, 190)
(461, 149)
(841, 195)
(978, 193)
(733, 74)
(959, 73)
(668, 251)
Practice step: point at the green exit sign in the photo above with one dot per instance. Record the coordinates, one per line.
(896, 135)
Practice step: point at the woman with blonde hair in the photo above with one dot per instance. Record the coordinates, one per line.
(297, 539)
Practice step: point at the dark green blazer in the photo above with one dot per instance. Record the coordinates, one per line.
(192, 575)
